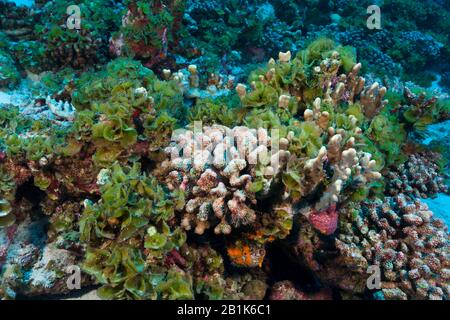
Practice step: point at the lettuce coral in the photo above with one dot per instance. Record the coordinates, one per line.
(131, 221)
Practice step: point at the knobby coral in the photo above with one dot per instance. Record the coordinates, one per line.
(400, 237)
(221, 177)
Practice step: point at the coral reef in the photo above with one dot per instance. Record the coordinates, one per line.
(169, 150)
(149, 29)
(400, 237)
(419, 177)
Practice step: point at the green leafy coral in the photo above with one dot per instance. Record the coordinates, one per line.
(125, 104)
(130, 225)
(65, 46)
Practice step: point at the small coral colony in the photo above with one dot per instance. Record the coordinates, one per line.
(172, 149)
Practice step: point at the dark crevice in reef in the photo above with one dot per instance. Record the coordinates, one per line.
(30, 192)
(217, 242)
(283, 266)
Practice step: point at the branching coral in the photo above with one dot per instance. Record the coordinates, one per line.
(314, 73)
(400, 237)
(327, 157)
(337, 165)
(419, 177)
(221, 177)
(348, 166)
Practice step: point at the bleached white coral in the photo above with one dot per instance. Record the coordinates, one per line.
(61, 109)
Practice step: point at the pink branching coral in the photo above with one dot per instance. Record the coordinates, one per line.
(350, 87)
(402, 238)
(418, 177)
(217, 174)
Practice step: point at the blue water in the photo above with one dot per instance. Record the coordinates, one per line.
(440, 206)
(27, 3)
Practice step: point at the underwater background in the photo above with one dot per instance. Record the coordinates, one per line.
(232, 149)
